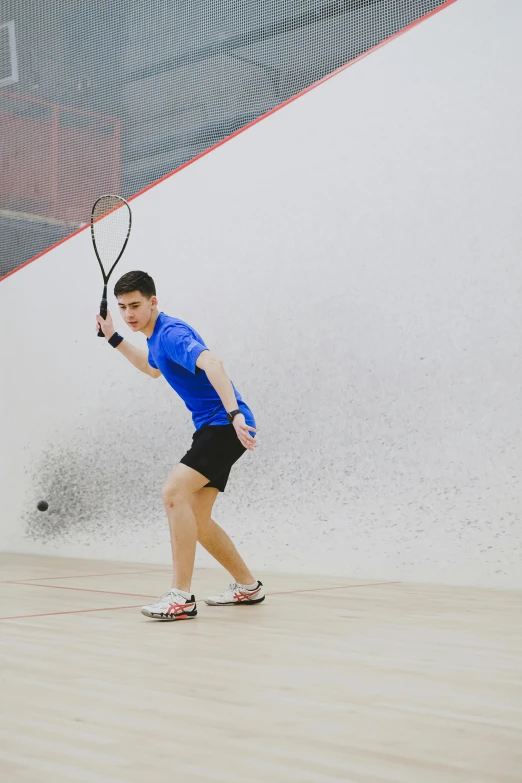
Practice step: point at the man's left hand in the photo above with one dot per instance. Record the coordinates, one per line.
(243, 432)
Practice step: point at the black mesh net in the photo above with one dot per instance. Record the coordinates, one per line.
(102, 96)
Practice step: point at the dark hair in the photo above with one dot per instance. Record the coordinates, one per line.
(135, 281)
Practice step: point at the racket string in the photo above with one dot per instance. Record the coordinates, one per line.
(110, 225)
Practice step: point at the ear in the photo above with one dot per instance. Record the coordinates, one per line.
(154, 301)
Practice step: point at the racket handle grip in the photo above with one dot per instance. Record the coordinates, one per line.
(103, 313)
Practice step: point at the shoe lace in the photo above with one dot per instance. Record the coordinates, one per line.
(169, 594)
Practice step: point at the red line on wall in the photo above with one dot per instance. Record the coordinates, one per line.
(250, 125)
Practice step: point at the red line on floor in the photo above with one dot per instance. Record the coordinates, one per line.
(80, 576)
(81, 589)
(73, 611)
(337, 587)
(114, 608)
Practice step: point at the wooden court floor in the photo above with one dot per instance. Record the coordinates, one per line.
(328, 680)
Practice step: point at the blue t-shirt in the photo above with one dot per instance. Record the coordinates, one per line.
(174, 347)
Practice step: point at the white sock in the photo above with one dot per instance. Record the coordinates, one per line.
(249, 587)
(188, 596)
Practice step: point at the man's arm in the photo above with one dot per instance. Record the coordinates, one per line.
(213, 366)
(136, 356)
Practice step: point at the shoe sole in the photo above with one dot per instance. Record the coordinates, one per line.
(235, 603)
(169, 618)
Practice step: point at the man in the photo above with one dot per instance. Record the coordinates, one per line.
(223, 423)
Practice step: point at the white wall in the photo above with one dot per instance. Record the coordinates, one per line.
(355, 258)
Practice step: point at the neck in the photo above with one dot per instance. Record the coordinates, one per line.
(147, 330)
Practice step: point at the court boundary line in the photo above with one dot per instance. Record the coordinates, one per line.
(335, 587)
(116, 608)
(147, 595)
(79, 576)
(72, 611)
(264, 116)
(80, 589)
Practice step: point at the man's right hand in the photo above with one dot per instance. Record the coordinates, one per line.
(106, 324)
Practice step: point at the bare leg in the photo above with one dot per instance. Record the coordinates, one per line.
(215, 540)
(219, 545)
(178, 492)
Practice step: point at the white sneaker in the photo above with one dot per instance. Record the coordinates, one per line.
(171, 606)
(238, 595)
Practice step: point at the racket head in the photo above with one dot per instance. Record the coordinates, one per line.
(111, 221)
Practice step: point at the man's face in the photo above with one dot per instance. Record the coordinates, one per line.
(136, 309)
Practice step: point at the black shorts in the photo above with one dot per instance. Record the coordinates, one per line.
(213, 452)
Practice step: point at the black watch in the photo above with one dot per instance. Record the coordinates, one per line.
(232, 414)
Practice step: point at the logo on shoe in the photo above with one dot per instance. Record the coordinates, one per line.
(246, 596)
(179, 610)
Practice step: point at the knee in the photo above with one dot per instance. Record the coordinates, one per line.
(173, 494)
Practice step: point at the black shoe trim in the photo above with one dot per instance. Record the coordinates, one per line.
(172, 617)
(242, 603)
